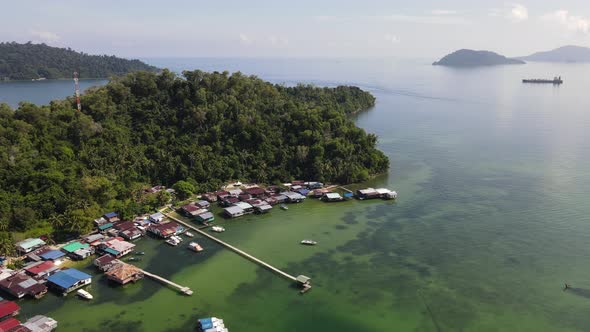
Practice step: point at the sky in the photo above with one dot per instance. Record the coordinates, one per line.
(302, 28)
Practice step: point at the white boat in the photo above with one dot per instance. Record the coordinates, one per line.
(309, 242)
(172, 241)
(284, 207)
(218, 229)
(84, 294)
(189, 234)
(177, 238)
(194, 246)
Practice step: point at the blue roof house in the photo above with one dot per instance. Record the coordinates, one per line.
(52, 255)
(68, 280)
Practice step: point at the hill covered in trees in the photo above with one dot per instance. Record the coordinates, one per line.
(471, 58)
(60, 169)
(33, 61)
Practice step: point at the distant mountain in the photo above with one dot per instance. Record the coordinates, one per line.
(562, 54)
(471, 58)
(33, 61)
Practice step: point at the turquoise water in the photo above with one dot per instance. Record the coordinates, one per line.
(491, 219)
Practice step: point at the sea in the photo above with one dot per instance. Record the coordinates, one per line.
(490, 223)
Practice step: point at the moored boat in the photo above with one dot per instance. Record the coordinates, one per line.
(84, 294)
(284, 207)
(309, 242)
(189, 234)
(172, 241)
(140, 253)
(217, 229)
(194, 246)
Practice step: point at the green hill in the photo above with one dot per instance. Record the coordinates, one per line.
(33, 61)
(471, 58)
(60, 169)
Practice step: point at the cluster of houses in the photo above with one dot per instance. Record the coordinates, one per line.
(9, 323)
(118, 271)
(371, 193)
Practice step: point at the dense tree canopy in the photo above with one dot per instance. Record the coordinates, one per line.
(64, 168)
(32, 61)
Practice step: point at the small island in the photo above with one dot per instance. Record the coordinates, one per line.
(38, 61)
(471, 58)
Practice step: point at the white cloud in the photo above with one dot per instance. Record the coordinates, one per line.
(44, 36)
(391, 38)
(518, 13)
(570, 22)
(443, 12)
(244, 39)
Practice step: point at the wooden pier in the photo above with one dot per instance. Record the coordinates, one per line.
(347, 190)
(242, 253)
(182, 289)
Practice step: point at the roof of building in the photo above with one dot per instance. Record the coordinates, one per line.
(333, 195)
(303, 279)
(231, 200)
(382, 191)
(157, 216)
(206, 215)
(52, 255)
(22, 283)
(9, 323)
(111, 215)
(367, 191)
(71, 247)
(264, 207)
(243, 205)
(203, 203)
(41, 267)
(190, 208)
(234, 209)
(293, 195)
(68, 278)
(123, 271)
(131, 232)
(93, 237)
(8, 308)
(104, 259)
(105, 226)
(166, 228)
(235, 192)
(84, 252)
(40, 323)
(121, 226)
(254, 191)
(119, 245)
(30, 243)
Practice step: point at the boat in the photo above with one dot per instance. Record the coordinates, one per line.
(194, 246)
(284, 207)
(140, 253)
(217, 229)
(212, 324)
(172, 241)
(189, 234)
(556, 80)
(134, 259)
(309, 242)
(177, 238)
(84, 294)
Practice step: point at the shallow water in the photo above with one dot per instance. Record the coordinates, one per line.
(490, 222)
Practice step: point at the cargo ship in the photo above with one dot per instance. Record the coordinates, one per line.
(556, 80)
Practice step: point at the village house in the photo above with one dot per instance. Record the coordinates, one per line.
(105, 262)
(12, 325)
(131, 234)
(221, 194)
(39, 323)
(203, 204)
(68, 280)
(111, 217)
(271, 201)
(123, 273)
(92, 238)
(20, 284)
(56, 256)
(123, 225)
(8, 309)
(233, 211)
(209, 197)
(293, 197)
(41, 269)
(264, 208)
(244, 197)
(367, 193)
(28, 245)
(166, 230)
(228, 201)
(157, 217)
(332, 197)
(116, 247)
(255, 192)
(205, 217)
(5, 273)
(191, 210)
(70, 248)
(280, 198)
(82, 253)
(248, 208)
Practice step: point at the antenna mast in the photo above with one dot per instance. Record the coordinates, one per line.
(77, 87)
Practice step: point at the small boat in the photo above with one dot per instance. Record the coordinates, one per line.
(217, 229)
(309, 242)
(172, 241)
(284, 207)
(133, 259)
(140, 253)
(189, 234)
(194, 246)
(177, 238)
(84, 294)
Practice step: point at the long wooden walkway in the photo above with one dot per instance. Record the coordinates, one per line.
(236, 250)
(182, 289)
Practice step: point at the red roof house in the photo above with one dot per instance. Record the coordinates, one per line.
(8, 324)
(8, 309)
(44, 268)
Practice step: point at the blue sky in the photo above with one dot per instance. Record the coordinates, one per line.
(303, 28)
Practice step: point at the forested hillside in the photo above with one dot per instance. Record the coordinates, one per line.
(33, 61)
(60, 169)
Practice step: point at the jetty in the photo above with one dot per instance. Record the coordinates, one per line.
(184, 290)
(304, 281)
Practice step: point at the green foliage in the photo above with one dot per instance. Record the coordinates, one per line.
(32, 61)
(66, 168)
